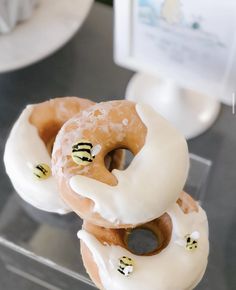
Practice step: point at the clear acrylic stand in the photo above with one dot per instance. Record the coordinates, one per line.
(43, 248)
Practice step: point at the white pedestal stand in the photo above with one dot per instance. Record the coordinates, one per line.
(191, 112)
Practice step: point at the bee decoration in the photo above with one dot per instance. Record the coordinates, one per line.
(42, 171)
(126, 266)
(192, 241)
(83, 152)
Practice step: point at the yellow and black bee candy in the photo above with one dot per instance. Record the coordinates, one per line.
(125, 266)
(42, 171)
(83, 152)
(192, 241)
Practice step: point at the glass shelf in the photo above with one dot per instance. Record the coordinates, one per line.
(44, 248)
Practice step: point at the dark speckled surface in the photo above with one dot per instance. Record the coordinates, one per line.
(84, 67)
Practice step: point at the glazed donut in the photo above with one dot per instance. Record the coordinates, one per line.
(138, 194)
(178, 262)
(28, 149)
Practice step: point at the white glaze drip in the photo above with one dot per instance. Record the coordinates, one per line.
(174, 268)
(25, 149)
(151, 183)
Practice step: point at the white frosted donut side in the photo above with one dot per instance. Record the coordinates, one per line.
(151, 183)
(25, 149)
(174, 268)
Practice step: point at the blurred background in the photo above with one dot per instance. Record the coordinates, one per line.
(108, 2)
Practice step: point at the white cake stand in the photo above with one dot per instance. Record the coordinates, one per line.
(52, 24)
(190, 112)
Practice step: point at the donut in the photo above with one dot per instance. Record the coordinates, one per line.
(178, 262)
(28, 149)
(120, 198)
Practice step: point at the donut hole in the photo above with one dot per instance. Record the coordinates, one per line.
(129, 156)
(118, 159)
(150, 238)
(142, 241)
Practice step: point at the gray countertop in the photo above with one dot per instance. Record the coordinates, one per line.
(84, 67)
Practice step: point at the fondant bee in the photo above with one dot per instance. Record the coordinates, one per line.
(83, 152)
(192, 241)
(42, 171)
(126, 266)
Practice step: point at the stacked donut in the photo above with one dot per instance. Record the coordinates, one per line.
(28, 151)
(86, 162)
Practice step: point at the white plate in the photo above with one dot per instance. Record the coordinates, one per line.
(52, 24)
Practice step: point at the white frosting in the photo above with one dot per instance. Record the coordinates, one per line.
(25, 149)
(14, 11)
(174, 268)
(151, 183)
